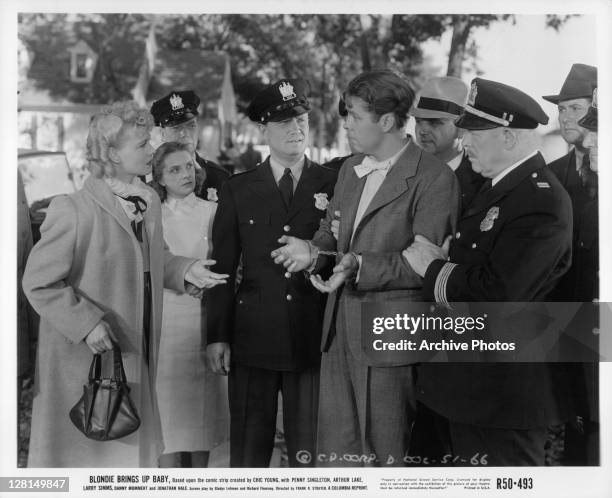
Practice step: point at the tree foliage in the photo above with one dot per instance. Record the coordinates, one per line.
(328, 50)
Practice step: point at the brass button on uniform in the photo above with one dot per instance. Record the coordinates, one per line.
(287, 275)
(458, 235)
(250, 222)
(474, 245)
(289, 297)
(286, 228)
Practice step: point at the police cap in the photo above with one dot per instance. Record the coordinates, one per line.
(282, 100)
(491, 104)
(175, 108)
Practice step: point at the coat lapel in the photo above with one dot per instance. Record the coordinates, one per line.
(396, 181)
(264, 185)
(104, 197)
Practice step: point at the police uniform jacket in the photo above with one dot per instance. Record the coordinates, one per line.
(274, 319)
(469, 181)
(513, 243)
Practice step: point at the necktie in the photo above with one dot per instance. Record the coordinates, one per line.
(486, 186)
(285, 186)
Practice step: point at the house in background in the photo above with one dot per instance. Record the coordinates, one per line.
(64, 80)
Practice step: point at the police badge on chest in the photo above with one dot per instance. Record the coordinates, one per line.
(487, 223)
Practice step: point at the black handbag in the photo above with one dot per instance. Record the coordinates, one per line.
(106, 411)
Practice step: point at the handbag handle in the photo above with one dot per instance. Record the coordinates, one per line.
(95, 369)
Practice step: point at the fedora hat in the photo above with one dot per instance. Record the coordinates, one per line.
(442, 97)
(579, 84)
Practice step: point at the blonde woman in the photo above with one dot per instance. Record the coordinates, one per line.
(97, 276)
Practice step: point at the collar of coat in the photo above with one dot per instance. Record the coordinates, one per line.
(531, 166)
(103, 196)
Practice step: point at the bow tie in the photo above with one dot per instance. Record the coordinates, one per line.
(140, 205)
(368, 165)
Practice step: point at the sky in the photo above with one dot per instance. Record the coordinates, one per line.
(527, 55)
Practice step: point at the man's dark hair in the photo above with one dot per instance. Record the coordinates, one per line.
(383, 91)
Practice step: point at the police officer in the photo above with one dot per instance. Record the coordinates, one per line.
(177, 115)
(267, 336)
(437, 106)
(513, 243)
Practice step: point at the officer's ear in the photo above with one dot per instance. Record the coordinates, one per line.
(510, 138)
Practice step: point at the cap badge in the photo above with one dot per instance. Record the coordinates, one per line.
(473, 92)
(286, 90)
(176, 102)
(487, 223)
(594, 104)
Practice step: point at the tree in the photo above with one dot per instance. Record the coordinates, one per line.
(462, 47)
(328, 50)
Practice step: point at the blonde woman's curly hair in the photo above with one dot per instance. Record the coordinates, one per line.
(106, 129)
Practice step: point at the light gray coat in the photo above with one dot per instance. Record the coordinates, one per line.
(88, 266)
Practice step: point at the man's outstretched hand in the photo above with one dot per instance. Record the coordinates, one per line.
(342, 272)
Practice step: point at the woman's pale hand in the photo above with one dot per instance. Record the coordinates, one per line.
(218, 355)
(100, 338)
(202, 277)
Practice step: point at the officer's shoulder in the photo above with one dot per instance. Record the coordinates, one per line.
(544, 188)
(326, 170)
(336, 163)
(242, 176)
(544, 180)
(211, 164)
(560, 161)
